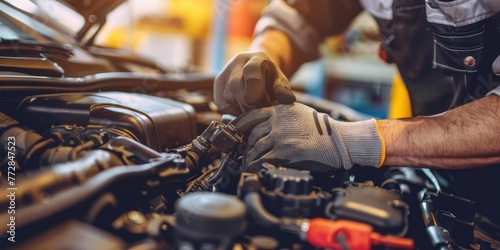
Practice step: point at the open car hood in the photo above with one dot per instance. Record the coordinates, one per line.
(94, 13)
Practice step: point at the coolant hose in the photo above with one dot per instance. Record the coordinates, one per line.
(49, 181)
(28, 144)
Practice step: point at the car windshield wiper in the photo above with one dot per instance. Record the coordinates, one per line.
(10, 47)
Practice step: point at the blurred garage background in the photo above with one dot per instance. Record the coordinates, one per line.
(204, 34)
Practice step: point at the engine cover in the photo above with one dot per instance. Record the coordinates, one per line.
(156, 122)
(379, 207)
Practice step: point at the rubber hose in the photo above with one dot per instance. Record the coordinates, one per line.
(29, 145)
(259, 214)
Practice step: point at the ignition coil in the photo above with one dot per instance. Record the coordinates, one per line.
(224, 137)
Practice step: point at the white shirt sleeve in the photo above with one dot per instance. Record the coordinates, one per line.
(496, 91)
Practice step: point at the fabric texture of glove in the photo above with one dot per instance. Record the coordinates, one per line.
(299, 137)
(250, 80)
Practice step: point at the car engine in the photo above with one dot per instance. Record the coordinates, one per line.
(119, 170)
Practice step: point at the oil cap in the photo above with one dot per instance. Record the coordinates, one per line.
(210, 216)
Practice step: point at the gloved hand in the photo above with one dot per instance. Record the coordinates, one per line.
(299, 137)
(250, 80)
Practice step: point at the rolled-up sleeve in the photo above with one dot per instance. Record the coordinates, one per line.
(307, 22)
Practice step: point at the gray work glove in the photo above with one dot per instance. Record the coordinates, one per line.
(250, 80)
(299, 137)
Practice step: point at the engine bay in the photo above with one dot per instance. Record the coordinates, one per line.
(118, 170)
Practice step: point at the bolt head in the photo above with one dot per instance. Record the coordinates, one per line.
(136, 217)
(470, 61)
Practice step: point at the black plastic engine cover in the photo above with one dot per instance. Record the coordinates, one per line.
(381, 208)
(156, 122)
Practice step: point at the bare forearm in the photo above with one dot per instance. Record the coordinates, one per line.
(279, 48)
(464, 137)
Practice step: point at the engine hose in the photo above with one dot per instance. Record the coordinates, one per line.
(259, 214)
(29, 145)
(69, 199)
(263, 218)
(47, 182)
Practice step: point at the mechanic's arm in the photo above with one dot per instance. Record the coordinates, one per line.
(277, 45)
(298, 136)
(465, 137)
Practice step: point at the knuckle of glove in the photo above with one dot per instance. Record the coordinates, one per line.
(241, 58)
(230, 92)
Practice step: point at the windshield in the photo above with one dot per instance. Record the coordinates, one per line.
(52, 12)
(9, 32)
(23, 25)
